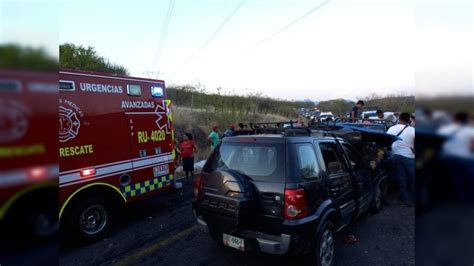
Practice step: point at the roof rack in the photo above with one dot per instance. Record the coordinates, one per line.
(291, 129)
(286, 128)
(351, 132)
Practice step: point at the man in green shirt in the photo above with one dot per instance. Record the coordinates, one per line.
(214, 137)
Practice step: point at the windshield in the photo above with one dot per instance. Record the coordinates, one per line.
(261, 162)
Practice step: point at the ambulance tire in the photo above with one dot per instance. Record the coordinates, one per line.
(89, 220)
(32, 220)
(43, 221)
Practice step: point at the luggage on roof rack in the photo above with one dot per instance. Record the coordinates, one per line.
(348, 131)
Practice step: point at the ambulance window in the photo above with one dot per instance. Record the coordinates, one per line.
(156, 91)
(134, 90)
(9, 85)
(65, 85)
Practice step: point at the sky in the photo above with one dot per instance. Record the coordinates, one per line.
(298, 49)
(30, 23)
(444, 48)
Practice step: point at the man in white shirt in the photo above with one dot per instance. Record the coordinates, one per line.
(460, 136)
(404, 155)
(389, 118)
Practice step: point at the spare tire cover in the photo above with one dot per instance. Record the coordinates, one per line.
(227, 201)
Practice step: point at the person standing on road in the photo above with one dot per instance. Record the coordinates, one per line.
(230, 131)
(187, 149)
(214, 137)
(404, 156)
(357, 109)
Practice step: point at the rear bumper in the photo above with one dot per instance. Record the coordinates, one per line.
(292, 238)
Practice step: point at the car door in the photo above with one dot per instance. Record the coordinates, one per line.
(362, 176)
(338, 180)
(151, 149)
(310, 174)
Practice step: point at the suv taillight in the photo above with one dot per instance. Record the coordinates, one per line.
(295, 204)
(197, 186)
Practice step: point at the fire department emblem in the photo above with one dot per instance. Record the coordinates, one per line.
(13, 121)
(68, 124)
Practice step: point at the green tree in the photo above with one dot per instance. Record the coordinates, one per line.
(82, 58)
(13, 56)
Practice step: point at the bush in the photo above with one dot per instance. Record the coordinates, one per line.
(82, 58)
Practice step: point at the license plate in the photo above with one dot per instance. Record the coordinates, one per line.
(234, 242)
(160, 170)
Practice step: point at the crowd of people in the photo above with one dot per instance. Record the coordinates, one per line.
(451, 162)
(456, 153)
(402, 157)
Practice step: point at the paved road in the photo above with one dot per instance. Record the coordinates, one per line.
(36, 254)
(162, 231)
(444, 235)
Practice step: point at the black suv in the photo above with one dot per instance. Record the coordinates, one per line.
(284, 193)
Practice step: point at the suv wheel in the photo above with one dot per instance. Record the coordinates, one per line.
(378, 200)
(324, 248)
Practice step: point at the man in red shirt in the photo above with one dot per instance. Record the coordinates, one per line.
(187, 149)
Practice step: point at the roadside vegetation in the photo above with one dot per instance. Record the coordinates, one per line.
(450, 104)
(86, 58)
(199, 122)
(17, 57)
(228, 102)
(392, 103)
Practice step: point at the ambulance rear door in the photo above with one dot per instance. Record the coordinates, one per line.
(151, 148)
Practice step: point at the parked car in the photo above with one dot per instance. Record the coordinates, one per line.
(326, 117)
(367, 114)
(315, 115)
(284, 193)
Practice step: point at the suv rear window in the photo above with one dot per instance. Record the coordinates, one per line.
(260, 162)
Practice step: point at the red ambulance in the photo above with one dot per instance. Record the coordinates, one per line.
(28, 154)
(116, 145)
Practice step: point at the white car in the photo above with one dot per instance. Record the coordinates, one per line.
(369, 114)
(326, 116)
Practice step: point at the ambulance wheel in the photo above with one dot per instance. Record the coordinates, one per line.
(32, 220)
(44, 221)
(89, 220)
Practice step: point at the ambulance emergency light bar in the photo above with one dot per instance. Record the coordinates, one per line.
(156, 91)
